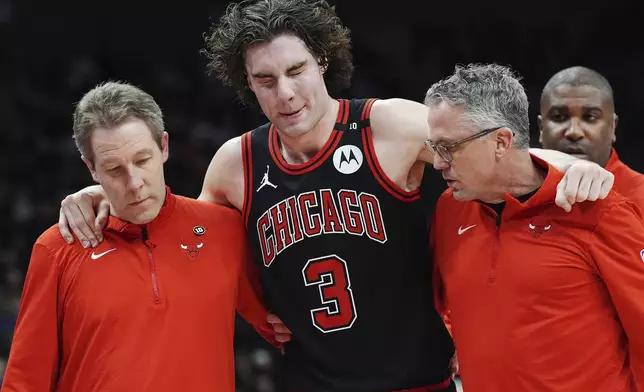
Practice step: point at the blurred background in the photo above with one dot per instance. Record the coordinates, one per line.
(54, 51)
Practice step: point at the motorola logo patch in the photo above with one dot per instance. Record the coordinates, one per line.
(347, 159)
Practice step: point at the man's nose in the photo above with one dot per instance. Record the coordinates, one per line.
(574, 131)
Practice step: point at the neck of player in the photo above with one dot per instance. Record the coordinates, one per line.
(301, 148)
(517, 175)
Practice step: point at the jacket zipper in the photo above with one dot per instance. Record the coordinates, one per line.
(151, 264)
(491, 276)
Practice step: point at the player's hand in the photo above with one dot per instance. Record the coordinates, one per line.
(583, 181)
(85, 213)
(282, 333)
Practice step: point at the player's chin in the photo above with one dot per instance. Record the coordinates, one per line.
(294, 129)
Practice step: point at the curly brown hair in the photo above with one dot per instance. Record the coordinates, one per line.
(252, 21)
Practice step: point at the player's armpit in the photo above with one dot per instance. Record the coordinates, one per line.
(617, 248)
(34, 358)
(405, 121)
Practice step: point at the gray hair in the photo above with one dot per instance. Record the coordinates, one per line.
(492, 96)
(109, 105)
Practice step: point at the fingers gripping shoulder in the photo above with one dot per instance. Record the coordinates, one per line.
(83, 215)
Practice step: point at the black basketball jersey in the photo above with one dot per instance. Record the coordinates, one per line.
(343, 254)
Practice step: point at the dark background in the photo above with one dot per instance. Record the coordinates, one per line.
(54, 51)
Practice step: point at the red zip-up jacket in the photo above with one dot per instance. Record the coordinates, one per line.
(540, 299)
(152, 308)
(629, 184)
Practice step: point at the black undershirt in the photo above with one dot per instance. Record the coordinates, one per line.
(498, 207)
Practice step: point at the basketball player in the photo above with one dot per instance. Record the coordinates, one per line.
(341, 238)
(265, 181)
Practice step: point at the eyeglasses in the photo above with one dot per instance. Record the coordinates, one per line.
(443, 150)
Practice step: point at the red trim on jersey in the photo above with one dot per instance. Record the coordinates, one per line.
(366, 109)
(319, 157)
(380, 175)
(372, 159)
(247, 161)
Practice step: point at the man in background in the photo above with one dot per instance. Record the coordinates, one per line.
(577, 116)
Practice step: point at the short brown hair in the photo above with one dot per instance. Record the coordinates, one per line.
(109, 105)
(252, 21)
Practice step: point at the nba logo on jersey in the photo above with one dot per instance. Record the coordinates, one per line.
(347, 159)
(642, 254)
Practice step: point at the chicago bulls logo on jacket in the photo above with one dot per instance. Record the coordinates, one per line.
(191, 248)
(539, 226)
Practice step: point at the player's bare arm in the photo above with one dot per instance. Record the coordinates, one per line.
(84, 214)
(559, 160)
(224, 180)
(400, 129)
(583, 181)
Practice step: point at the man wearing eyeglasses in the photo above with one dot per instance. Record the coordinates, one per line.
(540, 299)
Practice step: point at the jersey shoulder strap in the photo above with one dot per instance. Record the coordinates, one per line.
(251, 141)
(356, 118)
(360, 112)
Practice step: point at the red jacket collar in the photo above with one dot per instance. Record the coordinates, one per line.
(131, 230)
(544, 195)
(614, 162)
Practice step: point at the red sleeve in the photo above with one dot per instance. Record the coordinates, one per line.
(439, 293)
(440, 298)
(439, 289)
(618, 252)
(34, 357)
(250, 305)
(249, 293)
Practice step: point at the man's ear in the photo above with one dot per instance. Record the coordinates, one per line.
(615, 120)
(165, 147)
(503, 139)
(540, 124)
